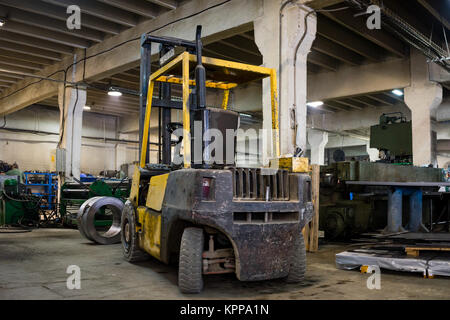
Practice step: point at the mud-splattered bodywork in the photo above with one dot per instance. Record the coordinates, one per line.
(262, 232)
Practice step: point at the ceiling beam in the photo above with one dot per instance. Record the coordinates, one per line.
(25, 57)
(359, 80)
(351, 104)
(14, 69)
(49, 35)
(235, 53)
(339, 34)
(323, 60)
(366, 102)
(229, 43)
(19, 63)
(59, 13)
(336, 105)
(217, 54)
(393, 96)
(107, 62)
(30, 50)
(11, 75)
(44, 22)
(382, 99)
(7, 79)
(358, 25)
(336, 51)
(320, 4)
(37, 43)
(435, 8)
(100, 10)
(169, 4)
(139, 7)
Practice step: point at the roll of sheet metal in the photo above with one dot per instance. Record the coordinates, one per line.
(86, 219)
(81, 211)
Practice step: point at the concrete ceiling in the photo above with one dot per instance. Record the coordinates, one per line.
(35, 34)
(342, 40)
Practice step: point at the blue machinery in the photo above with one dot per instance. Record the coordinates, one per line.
(397, 191)
(395, 209)
(47, 182)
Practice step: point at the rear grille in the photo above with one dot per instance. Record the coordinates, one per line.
(253, 184)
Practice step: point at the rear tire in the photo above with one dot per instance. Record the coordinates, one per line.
(190, 269)
(298, 263)
(129, 237)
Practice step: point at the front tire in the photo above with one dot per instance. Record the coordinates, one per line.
(190, 269)
(129, 237)
(298, 264)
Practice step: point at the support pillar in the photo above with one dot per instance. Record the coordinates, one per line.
(317, 140)
(296, 41)
(423, 98)
(395, 209)
(71, 119)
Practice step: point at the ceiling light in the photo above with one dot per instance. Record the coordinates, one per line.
(114, 92)
(2, 22)
(315, 104)
(87, 108)
(397, 92)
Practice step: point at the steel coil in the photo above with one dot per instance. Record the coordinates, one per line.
(86, 219)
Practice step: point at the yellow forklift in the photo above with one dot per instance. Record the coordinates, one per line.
(208, 216)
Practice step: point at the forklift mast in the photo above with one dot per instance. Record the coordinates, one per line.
(167, 46)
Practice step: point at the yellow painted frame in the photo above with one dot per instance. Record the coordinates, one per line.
(185, 58)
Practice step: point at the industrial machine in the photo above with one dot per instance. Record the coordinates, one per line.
(16, 206)
(355, 197)
(74, 194)
(43, 185)
(393, 137)
(207, 214)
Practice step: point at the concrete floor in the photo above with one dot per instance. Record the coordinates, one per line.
(33, 266)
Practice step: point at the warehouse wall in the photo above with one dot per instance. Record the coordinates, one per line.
(34, 151)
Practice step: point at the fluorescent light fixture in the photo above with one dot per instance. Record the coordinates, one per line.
(246, 115)
(114, 92)
(315, 104)
(87, 108)
(397, 92)
(2, 22)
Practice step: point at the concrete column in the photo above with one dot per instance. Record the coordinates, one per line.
(395, 207)
(422, 98)
(71, 119)
(317, 140)
(291, 81)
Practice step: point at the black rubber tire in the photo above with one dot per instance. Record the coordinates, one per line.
(298, 263)
(190, 268)
(129, 237)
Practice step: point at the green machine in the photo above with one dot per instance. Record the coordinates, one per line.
(393, 137)
(74, 194)
(16, 206)
(347, 210)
